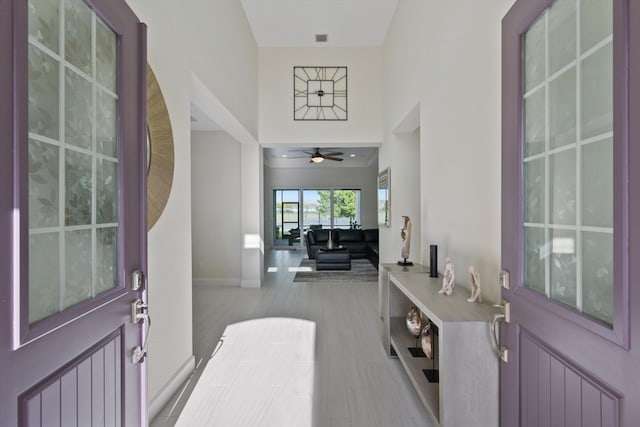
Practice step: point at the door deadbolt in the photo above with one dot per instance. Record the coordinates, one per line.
(137, 280)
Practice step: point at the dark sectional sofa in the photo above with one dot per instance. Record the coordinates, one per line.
(362, 244)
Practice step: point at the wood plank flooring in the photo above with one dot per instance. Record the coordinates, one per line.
(355, 384)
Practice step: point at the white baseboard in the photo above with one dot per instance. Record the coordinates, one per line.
(157, 403)
(216, 282)
(250, 283)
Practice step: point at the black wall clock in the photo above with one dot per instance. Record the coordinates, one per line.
(320, 93)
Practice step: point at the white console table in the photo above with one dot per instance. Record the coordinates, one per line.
(467, 392)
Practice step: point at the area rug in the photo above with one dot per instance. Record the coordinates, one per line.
(361, 271)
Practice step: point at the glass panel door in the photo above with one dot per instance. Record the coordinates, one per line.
(287, 218)
(568, 156)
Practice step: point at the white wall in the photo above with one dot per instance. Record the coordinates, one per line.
(212, 40)
(405, 197)
(215, 197)
(364, 178)
(445, 56)
(364, 86)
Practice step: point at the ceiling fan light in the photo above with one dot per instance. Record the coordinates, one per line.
(317, 159)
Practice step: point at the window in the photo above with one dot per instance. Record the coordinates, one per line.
(322, 208)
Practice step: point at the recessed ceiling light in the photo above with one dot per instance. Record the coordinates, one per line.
(352, 155)
(283, 155)
(321, 38)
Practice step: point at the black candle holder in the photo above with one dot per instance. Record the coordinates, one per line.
(433, 261)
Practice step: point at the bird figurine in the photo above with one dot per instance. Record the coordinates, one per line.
(414, 322)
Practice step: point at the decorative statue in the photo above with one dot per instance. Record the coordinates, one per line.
(414, 322)
(475, 286)
(447, 278)
(406, 240)
(427, 340)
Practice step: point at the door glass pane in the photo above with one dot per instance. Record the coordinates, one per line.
(534, 125)
(73, 157)
(597, 274)
(106, 56)
(79, 188)
(534, 55)
(44, 23)
(534, 258)
(77, 267)
(597, 188)
(562, 109)
(44, 275)
(563, 266)
(78, 111)
(77, 34)
(597, 93)
(596, 18)
(562, 34)
(562, 186)
(44, 204)
(106, 124)
(568, 156)
(534, 184)
(44, 96)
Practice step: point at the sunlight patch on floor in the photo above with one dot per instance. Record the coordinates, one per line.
(297, 269)
(261, 374)
(272, 269)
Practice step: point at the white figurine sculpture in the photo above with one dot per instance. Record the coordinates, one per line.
(475, 286)
(405, 233)
(448, 278)
(426, 340)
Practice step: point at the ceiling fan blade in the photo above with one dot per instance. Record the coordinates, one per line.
(337, 159)
(334, 153)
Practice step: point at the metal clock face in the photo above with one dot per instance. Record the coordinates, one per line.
(320, 93)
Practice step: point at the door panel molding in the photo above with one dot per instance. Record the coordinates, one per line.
(62, 393)
(554, 382)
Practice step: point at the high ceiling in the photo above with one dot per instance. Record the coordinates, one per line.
(295, 23)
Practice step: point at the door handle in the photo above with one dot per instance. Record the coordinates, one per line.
(501, 351)
(138, 309)
(139, 312)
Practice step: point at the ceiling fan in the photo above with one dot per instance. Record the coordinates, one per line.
(317, 156)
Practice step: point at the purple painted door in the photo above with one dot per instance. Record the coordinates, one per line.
(72, 213)
(571, 213)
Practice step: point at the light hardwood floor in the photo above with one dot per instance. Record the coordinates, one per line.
(355, 383)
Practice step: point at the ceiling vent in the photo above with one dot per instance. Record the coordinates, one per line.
(321, 38)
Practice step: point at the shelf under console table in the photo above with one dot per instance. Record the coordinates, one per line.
(467, 392)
